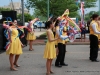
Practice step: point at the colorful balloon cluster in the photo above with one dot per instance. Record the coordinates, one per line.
(8, 32)
(72, 27)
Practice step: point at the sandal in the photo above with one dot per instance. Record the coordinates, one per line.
(13, 69)
(23, 46)
(47, 73)
(30, 50)
(17, 65)
(51, 72)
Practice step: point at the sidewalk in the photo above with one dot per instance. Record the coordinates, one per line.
(76, 42)
(42, 41)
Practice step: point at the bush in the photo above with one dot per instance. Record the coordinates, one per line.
(42, 36)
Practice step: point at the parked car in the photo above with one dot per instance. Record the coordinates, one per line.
(26, 23)
(39, 24)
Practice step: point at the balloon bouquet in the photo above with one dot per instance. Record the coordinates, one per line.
(72, 27)
(8, 32)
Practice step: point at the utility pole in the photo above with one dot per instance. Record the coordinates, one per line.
(12, 4)
(47, 9)
(99, 7)
(22, 2)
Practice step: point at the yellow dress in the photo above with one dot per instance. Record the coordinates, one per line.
(56, 35)
(50, 50)
(31, 36)
(15, 45)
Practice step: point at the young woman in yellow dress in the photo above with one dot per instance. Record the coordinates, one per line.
(15, 48)
(30, 36)
(50, 51)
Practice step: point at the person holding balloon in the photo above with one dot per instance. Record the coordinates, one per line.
(31, 36)
(60, 42)
(61, 32)
(15, 46)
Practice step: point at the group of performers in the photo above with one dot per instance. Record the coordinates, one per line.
(56, 44)
(64, 28)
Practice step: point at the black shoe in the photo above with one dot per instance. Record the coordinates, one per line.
(94, 60)
(64, 64)
(58, 66)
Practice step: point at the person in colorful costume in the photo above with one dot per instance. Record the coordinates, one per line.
(64, 25)
(14, 45)
(61, 32)
(30, 35)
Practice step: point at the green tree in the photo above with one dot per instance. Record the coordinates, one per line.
(26, 15)
(57, 7)
(88, 15)
(4, 9)
(90, 3)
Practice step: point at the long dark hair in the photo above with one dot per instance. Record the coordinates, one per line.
(53, 19)
(48, 23)
(94, 16)
(57, 23)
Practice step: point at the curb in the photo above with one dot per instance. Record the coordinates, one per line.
(74, 43)
(79, 43)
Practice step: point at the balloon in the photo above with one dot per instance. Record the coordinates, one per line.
(71, 27)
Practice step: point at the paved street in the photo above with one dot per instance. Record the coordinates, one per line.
(32, 62)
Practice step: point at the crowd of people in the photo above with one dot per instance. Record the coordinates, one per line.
(94, 29)
(55, 46)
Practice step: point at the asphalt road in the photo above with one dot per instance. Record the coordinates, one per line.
(32, 62)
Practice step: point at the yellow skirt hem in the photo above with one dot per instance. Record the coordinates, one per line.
(14, 53)
(49, 57)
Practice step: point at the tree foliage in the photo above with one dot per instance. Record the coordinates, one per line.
(90, 3)
(4, 9)
(88, 15)
(26, 15)
(57, 7)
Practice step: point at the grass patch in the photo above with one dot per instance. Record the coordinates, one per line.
(42, 36)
